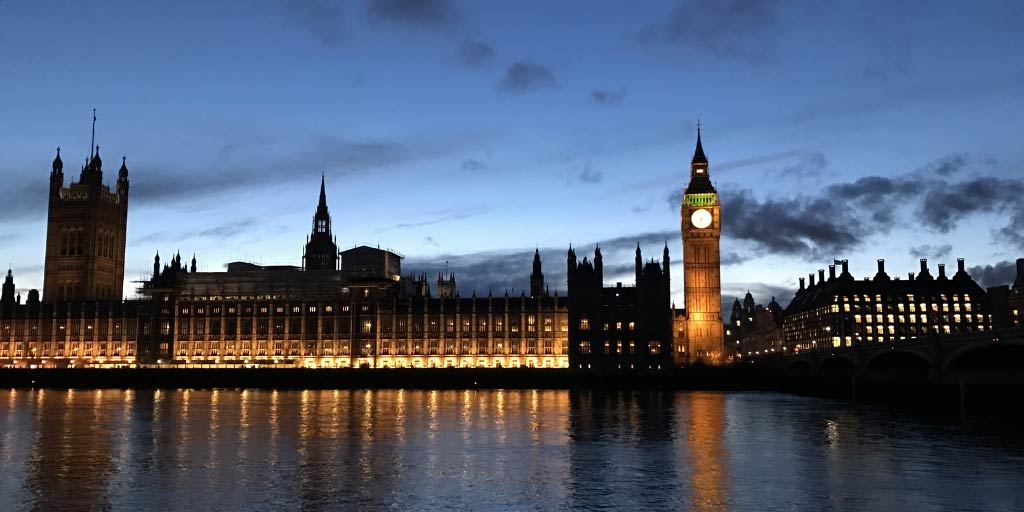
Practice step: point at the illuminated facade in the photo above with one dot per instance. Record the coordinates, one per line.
(701, 228)
(841, 311)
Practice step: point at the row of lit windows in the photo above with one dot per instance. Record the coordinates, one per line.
(913, 318)
(585, 325)
(653, 347)
(892, 298)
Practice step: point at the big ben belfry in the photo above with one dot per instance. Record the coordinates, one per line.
(701, 230)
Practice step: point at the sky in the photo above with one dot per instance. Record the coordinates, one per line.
(473, 132)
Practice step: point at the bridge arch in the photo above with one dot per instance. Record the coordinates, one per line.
(900, 365)
(799, 368)
(1006, 355)
(837, 366)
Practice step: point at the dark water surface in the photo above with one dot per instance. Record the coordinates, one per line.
(487, 450)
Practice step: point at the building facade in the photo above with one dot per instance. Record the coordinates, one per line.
(351, 308)
(85, 234)
(840, 311)
(619, 328)
(754, 329)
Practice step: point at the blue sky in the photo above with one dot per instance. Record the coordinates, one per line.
(474, 132)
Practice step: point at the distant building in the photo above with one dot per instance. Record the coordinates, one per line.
(755, 329)
(1008, 303)
(841, 311)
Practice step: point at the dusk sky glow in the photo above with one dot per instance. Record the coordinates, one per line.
(473, 132)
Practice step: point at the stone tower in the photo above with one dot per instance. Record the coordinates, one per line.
(85, 233)
(701, 230)
(321, 251)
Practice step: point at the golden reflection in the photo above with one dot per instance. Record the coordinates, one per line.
(275, 427)
(704, 429)
(499, 417)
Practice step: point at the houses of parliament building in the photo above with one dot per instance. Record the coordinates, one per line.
(352, 308)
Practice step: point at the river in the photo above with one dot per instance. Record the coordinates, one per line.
(208, 450)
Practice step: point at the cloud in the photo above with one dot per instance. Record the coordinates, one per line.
(433, 14)
(476, 54)
(999, 274)
(220, 232)
(323, 18)
(842, 216)
(525, 76)
(439, 217)
(936, 252)
(809, 165)
(473, 165)
(430, 240)
(731, 258)
(607, 97)
(590, 175)
(736, 29)
(498, 271)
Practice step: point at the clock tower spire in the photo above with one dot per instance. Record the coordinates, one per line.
(701, 229)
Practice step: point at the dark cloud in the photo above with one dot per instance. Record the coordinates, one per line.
(439, 217)
(808, 165)
(731, 258)
(739, 29)
(608, 97)
(844, 215)
(943, 207)
(498, 271)
(936, 252)
(325, 19)
(590, 175)
(641, 209)
(525, 76)
(473, 165)
(762, 293)
(430, 240)
(999, 274)
(476, 54)
(432, 14)
(221, 232)
(24, 197)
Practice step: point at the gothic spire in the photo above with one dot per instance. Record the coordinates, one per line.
(698, 153)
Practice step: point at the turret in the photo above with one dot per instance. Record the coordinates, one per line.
(7, 295)
(536, 277)
(639, 263)
(56, 175)
(122, 179)
(156, 265)
(193, 267)
(599, 264)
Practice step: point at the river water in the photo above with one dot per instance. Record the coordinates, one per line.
(487, 450)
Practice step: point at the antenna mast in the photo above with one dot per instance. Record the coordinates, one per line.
(92, 144)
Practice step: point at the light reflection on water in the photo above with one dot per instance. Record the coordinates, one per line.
(479, 450)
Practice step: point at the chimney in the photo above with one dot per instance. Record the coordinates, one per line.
(810, 278)
(846, 266)
(942, 270)
(821, 275)
(831, 272)
(924, 265)
(881, 266)
(910, 275)
(1020, 273)
(960, 265)
(801, 283)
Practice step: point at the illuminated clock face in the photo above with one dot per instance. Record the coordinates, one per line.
(701, 219)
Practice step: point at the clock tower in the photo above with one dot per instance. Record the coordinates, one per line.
(701, 229)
